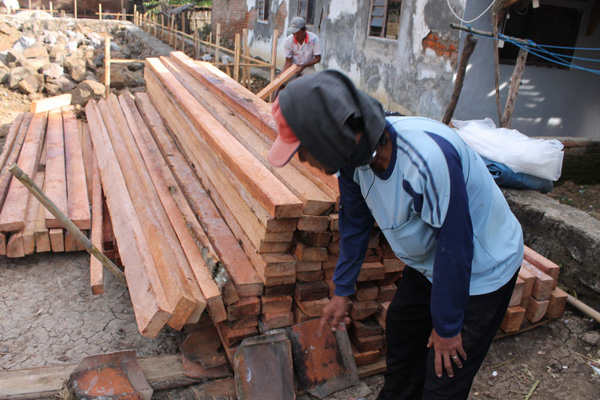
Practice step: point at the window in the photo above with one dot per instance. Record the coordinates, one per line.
(384, 21)
(545, 25)
(263, 9)
(306, 10)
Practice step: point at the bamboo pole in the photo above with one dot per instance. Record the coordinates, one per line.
(584, 308)
(51, 10)
(107, 66)
(66, 222)
(100, 11)
(75, 8)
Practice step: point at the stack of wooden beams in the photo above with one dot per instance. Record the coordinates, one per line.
(53, 149)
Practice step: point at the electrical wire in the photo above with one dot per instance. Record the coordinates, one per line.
(473, 20)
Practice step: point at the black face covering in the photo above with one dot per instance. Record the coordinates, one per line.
(326, 112)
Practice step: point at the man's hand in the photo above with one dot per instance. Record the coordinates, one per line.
(447, 350)
(335, 314)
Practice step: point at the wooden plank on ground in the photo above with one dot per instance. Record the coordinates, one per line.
(542, 263)
(12, 216)
(159, 173)
(252, 108)
(165, 249)
(150, 303)
(271, 193)
(56, 182)
(222, 247)
(40, 233)
(315, 201)
(88, 156)
(50, 103)
(12, 157)
(78, 202)
(9, 140)
(31, 219)
(280, 80)
(96, 268)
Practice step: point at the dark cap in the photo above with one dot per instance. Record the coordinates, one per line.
(297, 24)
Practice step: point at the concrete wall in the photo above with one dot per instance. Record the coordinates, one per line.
(551, 102)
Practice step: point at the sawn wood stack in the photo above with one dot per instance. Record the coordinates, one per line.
(182, 196)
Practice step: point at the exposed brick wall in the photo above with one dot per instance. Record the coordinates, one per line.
(233, 16)
(443, 47)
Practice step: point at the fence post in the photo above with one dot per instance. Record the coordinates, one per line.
(107, 66)
(100, 11)
(246, 70)
(217, 43)
(274, 54)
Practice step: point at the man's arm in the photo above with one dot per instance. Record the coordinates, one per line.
(355, 222)
(315, 60)
(287, 64)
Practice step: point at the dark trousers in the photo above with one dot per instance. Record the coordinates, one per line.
(411, 365)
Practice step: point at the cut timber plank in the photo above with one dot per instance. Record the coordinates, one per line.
(513, 319)
(315, 201)
(57, 239)
(276, 198)
(558, 301)
(218, 244)
(197, 198)
(71, 243)
(12, 217)
(252, 108)
(150, 304)
(280, 80)
(9, 140)
(542, 263)
(159, 173)
(2, 244)
(31, 219)
(96, 268)
(180, 126)
(542, 286)
(41, 235)
(13, 155)
(55, 183)
(78, 202)
(164, 247)
(88, 156)
(50, 103)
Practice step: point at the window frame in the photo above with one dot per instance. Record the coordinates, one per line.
(304, 12)
(262, 8)
(384, 17)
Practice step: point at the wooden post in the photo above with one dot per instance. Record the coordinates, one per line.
(135, 16)
(107, 66)
(162, 27)
(29, 4)
(100, 11)
(468, 48)
(274, 54)
(246, 52)
(496, 65)
(513, 91)
(171, 30)
(75, 8)
(51, 11)
(236, 58)
(218, 43)
(196, 45)
(66, 222)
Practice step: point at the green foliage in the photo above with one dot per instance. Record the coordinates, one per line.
(154, 6)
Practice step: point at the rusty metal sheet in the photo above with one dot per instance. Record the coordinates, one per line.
(263, 368)
(323, 361)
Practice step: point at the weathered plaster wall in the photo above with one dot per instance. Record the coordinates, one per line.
(412, 74)
(551, 102)
(405, 74)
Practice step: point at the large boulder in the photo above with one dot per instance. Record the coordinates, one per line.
(31, 83)
(85, 91)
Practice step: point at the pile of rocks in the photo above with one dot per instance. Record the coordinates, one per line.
(55, 56)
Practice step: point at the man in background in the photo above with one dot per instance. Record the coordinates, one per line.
(302, 48)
